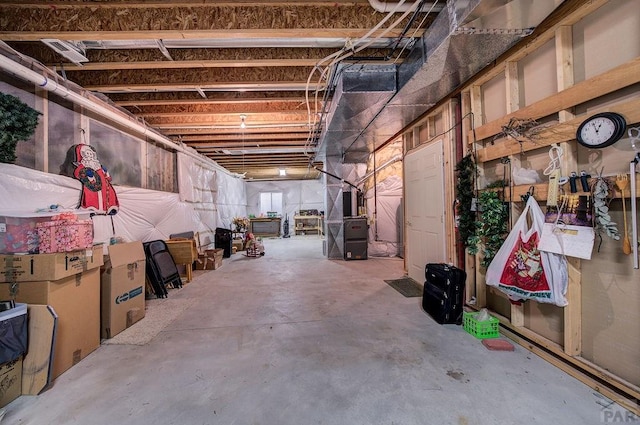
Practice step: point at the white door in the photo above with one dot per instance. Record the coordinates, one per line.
(424, 188)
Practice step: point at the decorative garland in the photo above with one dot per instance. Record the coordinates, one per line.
(491, 228)
(18, 122)
(466, 170)
(601, 201)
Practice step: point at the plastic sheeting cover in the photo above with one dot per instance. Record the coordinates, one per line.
(296, 195)
(197, 182)
(144, 214)
(387, 197)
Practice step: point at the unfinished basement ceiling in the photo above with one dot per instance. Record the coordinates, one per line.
(197, 71)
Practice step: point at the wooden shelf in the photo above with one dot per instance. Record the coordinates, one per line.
(540, 190)
(308, 224)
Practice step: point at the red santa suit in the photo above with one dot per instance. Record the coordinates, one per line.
(97, 192)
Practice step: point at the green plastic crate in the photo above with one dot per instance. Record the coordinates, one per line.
(481, 330)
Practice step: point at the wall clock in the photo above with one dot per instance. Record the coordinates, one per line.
(601, 130)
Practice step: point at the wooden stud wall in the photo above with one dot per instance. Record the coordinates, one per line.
(561, 122)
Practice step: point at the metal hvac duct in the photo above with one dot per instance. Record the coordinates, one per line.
(465, 37)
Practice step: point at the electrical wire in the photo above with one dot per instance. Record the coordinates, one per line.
(555, 154)
(347, 51)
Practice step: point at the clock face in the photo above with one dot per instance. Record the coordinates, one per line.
(601, 130)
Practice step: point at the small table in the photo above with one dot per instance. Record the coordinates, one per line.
(183, 251)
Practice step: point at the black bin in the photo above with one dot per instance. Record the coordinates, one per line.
(13, 333)
(223, 239)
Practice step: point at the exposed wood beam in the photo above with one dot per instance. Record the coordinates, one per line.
(574, 13)
(299, 147)
(201, 130)
(558, 133)
(210, 85)
(248, 137)
(227, 116)
(172, 102)
(106, 66)
(230, 34)
(46, 4)
(620, 77)
(271, 125)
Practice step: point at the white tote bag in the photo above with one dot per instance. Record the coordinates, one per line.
(521, 270)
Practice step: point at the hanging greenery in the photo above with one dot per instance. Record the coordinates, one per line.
(603, 224)
(18, 122)
(491, 228)
(466, 170)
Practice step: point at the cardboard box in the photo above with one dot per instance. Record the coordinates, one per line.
(76, 301)
(122, 288)
(210, 260)
(238, 244)
(10, 381)
(31, 267)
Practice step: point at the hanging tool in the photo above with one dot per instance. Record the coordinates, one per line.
(634, 221)
(622, 182)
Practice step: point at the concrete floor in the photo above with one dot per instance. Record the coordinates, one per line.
(294, 338)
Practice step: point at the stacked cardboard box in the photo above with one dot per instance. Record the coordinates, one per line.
(69, 283)
(122, 288)
(211, 259)
(10, 381)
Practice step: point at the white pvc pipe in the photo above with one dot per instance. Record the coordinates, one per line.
(384, 7)
(53, 87)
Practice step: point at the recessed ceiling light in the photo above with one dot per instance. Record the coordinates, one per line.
(283, 172)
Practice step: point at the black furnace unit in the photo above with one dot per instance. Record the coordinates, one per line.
(356, 235)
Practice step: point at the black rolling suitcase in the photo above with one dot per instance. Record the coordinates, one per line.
(160, 267)
(443, 295)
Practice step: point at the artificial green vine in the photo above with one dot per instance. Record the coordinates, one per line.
(18, 121)
(466, 169)
(491, 228)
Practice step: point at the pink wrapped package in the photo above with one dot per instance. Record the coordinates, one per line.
(64, 233)
(20, 236)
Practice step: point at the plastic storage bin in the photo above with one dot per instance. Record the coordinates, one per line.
(481, 330)
(13, 333)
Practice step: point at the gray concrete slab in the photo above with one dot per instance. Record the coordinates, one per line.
(295, 338)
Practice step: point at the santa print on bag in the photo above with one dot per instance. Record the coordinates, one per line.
(97, 192)
(524, 268)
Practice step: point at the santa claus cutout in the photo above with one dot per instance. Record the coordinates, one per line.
(97, 192)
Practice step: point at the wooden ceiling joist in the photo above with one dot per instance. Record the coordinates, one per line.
(181, 102)
(263, 137)
(206, 130)
(277, 115)
(239, 34)
(191, 70)
(206, 86)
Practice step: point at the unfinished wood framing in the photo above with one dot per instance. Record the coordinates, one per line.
(618, 86)
(449, 115)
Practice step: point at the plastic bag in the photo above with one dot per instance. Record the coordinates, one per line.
(521, 270)
(524, 176)
(483, 315)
